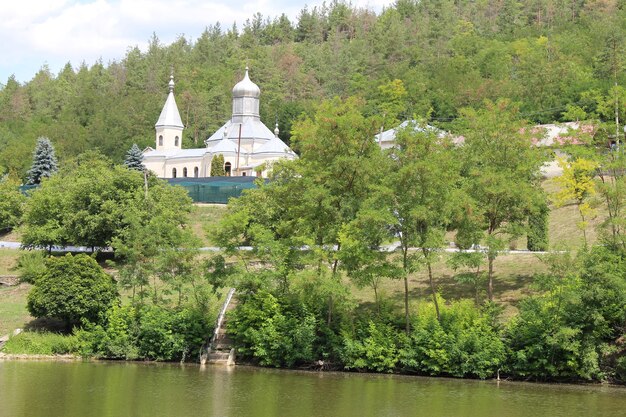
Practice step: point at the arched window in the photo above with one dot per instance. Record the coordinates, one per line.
(173, 172)
(176, 141)
(160, 140)
(185, 172)
(227, 168)
(195, 172)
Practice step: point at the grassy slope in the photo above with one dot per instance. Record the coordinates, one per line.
(13, 313)
(513, 272)
(203, 219)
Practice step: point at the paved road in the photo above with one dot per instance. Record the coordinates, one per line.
(392, 247)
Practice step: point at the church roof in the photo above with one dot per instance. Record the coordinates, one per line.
(390, 135)
(170, 115)
(250, 129)
(274, 146)
(224, 146)
(246, 88)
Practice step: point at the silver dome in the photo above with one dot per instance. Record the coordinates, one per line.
(246, 88)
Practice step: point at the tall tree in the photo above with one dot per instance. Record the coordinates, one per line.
(501, 169)
(44, 161)
(424, 182)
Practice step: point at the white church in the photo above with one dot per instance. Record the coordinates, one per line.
(249, 148)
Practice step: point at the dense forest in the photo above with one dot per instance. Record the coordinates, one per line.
(557, 60)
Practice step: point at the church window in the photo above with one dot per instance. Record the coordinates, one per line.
(227, 167)
(195, 172)
(176, 141)
(185, 172)
(173, 172)
(160, 140)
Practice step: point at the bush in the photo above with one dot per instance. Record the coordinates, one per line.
(272, 334)
(464, 343)
(73, 289)
(373, 348)
(30, 265)
(35, 343)
(146, 332)
(116, 340)
(543, 346)
(565, 332)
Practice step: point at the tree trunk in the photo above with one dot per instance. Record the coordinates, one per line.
(376, 298)
(406, 289)
(432, 289)
(490, 273)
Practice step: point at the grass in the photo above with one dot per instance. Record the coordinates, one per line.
(13, 312)
(204, 218)
(513, 275)
(8, 261)
(563, 223)
(12, 236)
(41, 343)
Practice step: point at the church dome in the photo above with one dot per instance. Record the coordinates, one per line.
(246, 88)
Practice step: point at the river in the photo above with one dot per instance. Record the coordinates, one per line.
(93, 389)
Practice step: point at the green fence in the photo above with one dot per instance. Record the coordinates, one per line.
(203, 190)
(24, 189)
(214, 189)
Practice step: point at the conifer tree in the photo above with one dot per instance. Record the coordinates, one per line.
(44, 161)
(134, 158)
(217, 166)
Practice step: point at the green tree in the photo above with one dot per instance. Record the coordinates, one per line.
(217, 166)
(134, 158)
(501, 170)
(423, 178)
(73, 289)
(92, 203)
(44, 161)
(12, 203)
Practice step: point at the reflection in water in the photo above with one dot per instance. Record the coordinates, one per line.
(54, 389)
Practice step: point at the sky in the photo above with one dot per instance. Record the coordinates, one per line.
(34, 33)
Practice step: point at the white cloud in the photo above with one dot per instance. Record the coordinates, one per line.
(35, 32)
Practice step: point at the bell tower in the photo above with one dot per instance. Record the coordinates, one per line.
(169, 127)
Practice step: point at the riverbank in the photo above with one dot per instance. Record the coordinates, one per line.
(29, 357)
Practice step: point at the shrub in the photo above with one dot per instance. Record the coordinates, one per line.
(116, 340)
(545, 347)
(564, 332)
(30, 265)
(374, 348)
(73, 289)
(36, 343)
(463, 343)
(272, 334)
(146, 332)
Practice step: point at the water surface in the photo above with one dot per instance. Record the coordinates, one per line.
(68, 389)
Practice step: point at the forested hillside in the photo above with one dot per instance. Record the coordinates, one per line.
(558, 60)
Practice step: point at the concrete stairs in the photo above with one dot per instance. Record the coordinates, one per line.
(219, 349)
